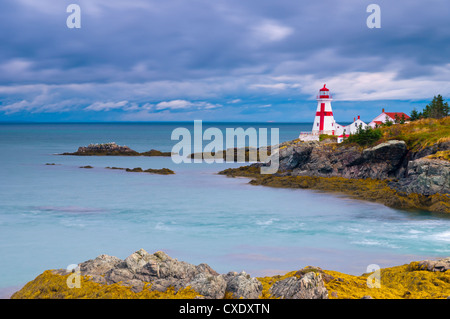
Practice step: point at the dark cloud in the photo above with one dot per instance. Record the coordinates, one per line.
(203, 51)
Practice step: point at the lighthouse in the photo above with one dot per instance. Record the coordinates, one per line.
(324, 120)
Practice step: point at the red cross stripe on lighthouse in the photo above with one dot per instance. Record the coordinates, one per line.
(322, 115)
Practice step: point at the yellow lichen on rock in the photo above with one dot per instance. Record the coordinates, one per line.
(268, 282)
(400, 282)
(368, 189)
(442, 155)
(49, 285)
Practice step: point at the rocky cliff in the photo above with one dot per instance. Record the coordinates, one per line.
(390, 160)
(329, 159)
(391, 172)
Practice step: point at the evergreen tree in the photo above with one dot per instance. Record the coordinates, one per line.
(364, 137)
(414, 116)
(437, 108)
(388, 122)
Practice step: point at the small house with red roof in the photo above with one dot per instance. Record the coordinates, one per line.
(388, 116)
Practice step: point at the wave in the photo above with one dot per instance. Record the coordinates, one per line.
(266, 222)
(373, 242)
(444, 236)
(163, 227)
(68, 209)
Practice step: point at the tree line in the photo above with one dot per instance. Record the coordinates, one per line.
(437, 109)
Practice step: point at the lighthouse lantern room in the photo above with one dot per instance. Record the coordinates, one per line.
(324, 120)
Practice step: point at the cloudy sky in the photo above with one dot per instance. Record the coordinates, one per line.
(219, 60)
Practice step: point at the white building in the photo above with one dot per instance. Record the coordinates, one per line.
(344, 131)
(385, 116)
(324, 122)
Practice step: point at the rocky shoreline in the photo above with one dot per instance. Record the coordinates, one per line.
(158, 276)
(235, 154)
(112, 149)
(388, 173)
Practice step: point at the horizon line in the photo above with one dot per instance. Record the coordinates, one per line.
(141, 122)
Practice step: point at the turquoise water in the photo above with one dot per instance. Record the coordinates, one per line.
(54, 216)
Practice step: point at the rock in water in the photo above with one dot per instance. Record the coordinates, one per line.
(113, 149)
(308, 286)
(104, 149)
(160, 171)
(154, 152)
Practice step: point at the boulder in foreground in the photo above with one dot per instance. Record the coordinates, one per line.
(144, 275)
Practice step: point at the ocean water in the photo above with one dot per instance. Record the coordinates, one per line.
(52, 216)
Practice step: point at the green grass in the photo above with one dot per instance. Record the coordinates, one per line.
(442, 155)
(323, 137)
(419, 134)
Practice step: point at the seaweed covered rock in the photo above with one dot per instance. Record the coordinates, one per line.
(103, 149)
(158, 276)
(154, 152)
(383, 173)
(158, 269)
(160, 171)
(149, 274)
(410, 281)
(112, 149)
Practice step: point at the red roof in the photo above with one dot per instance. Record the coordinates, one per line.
(377, 122)
(399, 114)
(324, 88)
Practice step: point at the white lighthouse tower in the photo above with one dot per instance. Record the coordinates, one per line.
(324, 120)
